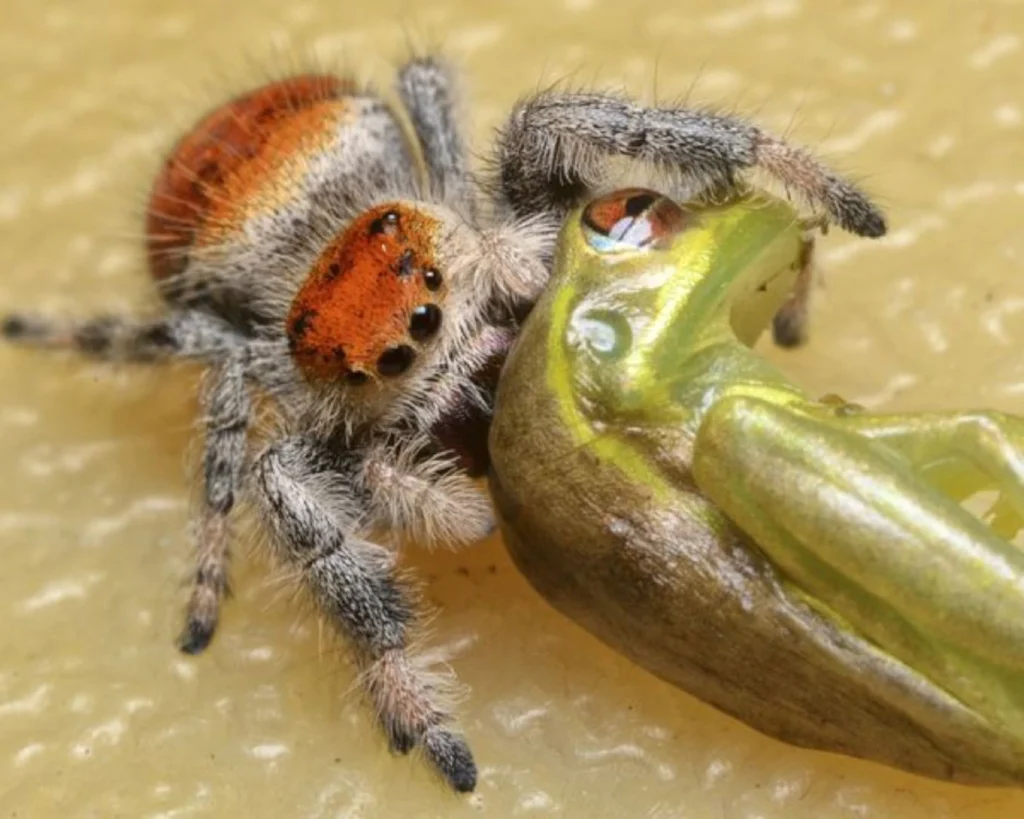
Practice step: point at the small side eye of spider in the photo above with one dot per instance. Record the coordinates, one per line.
(303, 262)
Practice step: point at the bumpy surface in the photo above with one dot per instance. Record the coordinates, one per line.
(99, 716)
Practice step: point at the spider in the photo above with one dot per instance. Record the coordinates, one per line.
(365, 285)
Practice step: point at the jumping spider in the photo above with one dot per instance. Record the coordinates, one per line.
(368, 291)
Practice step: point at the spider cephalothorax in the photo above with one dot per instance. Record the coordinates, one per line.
(368, 290)
(372, 299)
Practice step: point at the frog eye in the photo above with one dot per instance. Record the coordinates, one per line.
(633, 219)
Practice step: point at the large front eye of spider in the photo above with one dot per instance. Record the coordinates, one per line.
(372, 301)
(633, 219)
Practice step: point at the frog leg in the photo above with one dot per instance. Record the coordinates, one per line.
(789, 327)
(991, 441)
(857, 528)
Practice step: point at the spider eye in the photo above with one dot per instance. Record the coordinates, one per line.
(395, 360)
(432, 279)
(386, 224)
(633, 219)
(425, 321)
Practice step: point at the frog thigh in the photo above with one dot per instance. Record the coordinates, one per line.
(853, 525)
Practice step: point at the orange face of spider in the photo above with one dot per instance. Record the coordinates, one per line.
(371, 300)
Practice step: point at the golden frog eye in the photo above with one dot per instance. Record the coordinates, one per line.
(633, 219)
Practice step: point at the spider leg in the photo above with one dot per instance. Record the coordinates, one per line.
(227, 411)
(355, 586)
(428, 498)
(551, 150)
(426, 86)
(180, 334)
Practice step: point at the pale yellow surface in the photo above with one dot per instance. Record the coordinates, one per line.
(99, 716)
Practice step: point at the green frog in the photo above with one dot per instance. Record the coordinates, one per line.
(800, 564)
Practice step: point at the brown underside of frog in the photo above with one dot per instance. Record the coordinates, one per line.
(100, 716)
(678, 589)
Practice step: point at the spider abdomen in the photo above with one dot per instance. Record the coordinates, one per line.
(215, 170)
(250, 192)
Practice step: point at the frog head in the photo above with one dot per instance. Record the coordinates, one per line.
(643, 285)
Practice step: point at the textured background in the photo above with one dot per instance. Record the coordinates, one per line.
(99, 716)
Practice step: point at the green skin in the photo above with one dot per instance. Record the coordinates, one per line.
(795, 563)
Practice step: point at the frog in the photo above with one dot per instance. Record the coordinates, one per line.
(804, 565)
